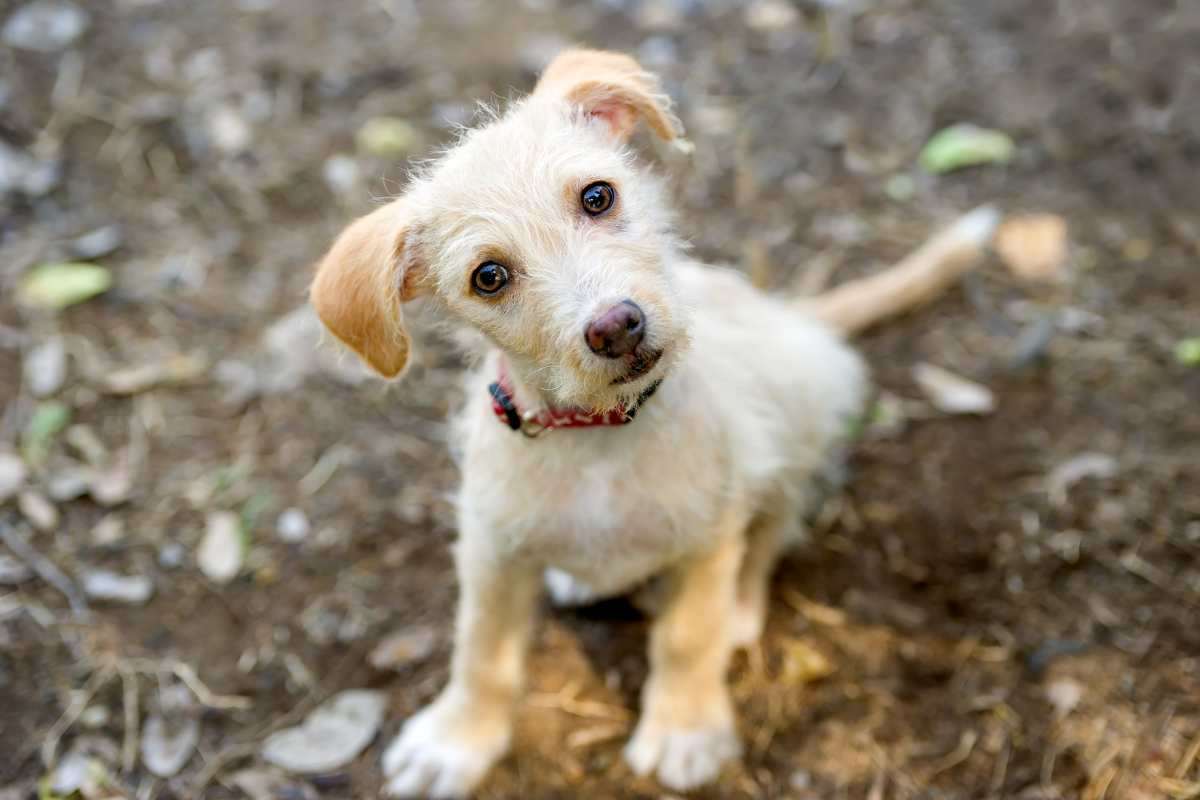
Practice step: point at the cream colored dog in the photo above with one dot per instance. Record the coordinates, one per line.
(540, 231)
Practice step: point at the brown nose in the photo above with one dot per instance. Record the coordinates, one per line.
(618, 331)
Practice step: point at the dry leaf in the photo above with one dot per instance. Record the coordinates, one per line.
(1034, 246)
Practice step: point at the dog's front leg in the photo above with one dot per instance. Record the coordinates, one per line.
(686, 731)
(445, 750)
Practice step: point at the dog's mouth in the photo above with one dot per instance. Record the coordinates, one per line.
(640, 364)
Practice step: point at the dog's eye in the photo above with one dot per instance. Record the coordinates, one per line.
(489, 278)
(597, 198)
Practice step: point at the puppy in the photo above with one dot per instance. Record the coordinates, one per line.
(637, 415)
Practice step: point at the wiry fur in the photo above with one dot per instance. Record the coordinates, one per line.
(703, 489)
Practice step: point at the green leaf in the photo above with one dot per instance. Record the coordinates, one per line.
(57, 286)
(965, 145)
(48, 420)
(1187, 351)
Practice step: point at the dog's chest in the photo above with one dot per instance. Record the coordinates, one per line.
(611, 516)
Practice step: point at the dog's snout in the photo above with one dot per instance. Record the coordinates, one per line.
(618, 331)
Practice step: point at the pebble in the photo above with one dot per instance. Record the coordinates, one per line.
(1034, 246)
(40, 512)
(27, 175)
(12, 571)
(1074, 470)
(108, 531)
(45, 367)
(98, 243)
(12, 475)
(341, 173)
(228, 131)
(292, 526)
(45, 26)
(68, 483)
(167, 745)
(134, 590)
(222, 550)
(331, 737)
(261, 784)
(1064, 695)
(171, 555)
(953, 394)
(771, 15)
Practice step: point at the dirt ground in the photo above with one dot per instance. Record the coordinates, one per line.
(992, 626)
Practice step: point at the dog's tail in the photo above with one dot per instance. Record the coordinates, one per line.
(918, 279)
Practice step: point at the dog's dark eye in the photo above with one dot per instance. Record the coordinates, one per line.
(597, 198)
(489, 278)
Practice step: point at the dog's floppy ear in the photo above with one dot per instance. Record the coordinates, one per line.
(361, 283)
(613, 88)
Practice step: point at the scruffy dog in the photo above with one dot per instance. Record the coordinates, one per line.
(673, 415)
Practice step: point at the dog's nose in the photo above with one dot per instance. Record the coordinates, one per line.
(618, 331)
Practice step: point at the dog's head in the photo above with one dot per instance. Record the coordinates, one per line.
(538, 230)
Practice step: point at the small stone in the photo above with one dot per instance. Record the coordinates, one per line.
(771, 15)
(171, 555)
(341, 173)
(45, 26)
(113, 484)
(1064, 695)
(167, 745)
(134, 590)
(292, 526)
(800, 780)
(12, 571)
(98, 243)
(40, 512)
(261, 784)
(1034, 246)
(75, 771)
(222, 550)
(331, 737)
(403, 648)
(228, 131)
(45, 367)
(803, 663)
(108, 531)
(953, 394)
(69, 482)
(12, 475)
(95, 717)
(26, 175)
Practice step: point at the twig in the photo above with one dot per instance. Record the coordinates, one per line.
(79, 702)
(205, 695)
(45, 569)
(129, 702)
(216, 764)
(966, 745)
(1189, 758)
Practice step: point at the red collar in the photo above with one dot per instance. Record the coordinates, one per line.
(533, 423)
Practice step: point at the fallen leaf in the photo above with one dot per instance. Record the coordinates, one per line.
(953, 394)
(403, 648)
(1187, 352)
(223, 548)
(331, 737)
(388, 136)
(57, 286)
(167, 745)
(802, 663)
(48, 420)
(176, 369)
(1034, 246)
(965, 145)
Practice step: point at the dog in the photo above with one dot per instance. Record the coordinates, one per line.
(635, 416)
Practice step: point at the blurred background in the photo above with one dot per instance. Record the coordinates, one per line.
(210, 527)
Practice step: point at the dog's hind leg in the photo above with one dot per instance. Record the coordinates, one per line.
(766, 539)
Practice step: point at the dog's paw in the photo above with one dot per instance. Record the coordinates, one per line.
(682, 758)
(443, 752)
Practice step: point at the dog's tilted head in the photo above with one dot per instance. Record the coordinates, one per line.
(537, 229)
